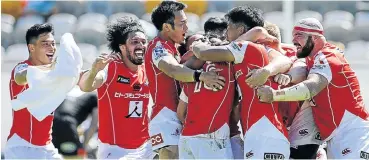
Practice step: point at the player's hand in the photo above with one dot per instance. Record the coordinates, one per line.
(257, 77)
(282, 79)
(212, 79)
(265, 94)
(101, 61)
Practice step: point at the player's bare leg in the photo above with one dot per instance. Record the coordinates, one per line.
(168, 152)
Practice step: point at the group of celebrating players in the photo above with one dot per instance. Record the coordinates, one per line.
(181, 96)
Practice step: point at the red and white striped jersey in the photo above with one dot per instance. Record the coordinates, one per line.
(122, 106)
(341, 95)
(24, 124)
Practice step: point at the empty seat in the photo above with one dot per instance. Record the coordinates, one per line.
(362, 25)
(135, 7)
(277, 18)
(146, 17)
(15, 53)
(219, 6)
(308, 14)
(340, 31)
(193, 18)
(63, 23)
(102, 7)
(93, 18)
(7, 18)
(206, 16)
(23, 24)
(193, 28)
(121, 14)
(6, 34)
(91, 33)
(73, 7)
(357, 51)
(2, 54)
(104, 49)
(89, 54)
(149, 28)
(337, 15)
(265, 6)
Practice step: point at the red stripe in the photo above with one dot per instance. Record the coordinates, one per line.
(308, 30)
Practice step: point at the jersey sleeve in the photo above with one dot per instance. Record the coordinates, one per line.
(159, 53)
(19, 68)
(238, 50)
(322, 67)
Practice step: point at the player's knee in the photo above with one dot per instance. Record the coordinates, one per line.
(168, 152)
(304, 151)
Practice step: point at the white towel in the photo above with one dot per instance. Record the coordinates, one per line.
(48, 89)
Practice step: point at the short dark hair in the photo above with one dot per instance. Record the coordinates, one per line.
(37, 29)
(164, 13)
(215, 24)
(247, 16)
(118, 30)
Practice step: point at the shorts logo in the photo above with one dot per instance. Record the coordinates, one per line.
(249, 154)
(176, 133)
(364, 155)
(317, 136)
(122, 79)
(303, 132)
(156, 139)
(346, 151)
(273, 156)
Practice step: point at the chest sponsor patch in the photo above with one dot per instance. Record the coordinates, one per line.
(123, 80)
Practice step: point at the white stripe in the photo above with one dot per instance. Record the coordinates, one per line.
(330, 106)
(112, 117)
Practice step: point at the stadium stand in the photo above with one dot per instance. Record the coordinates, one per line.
(63, 23)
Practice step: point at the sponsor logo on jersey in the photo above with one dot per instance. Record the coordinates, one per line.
(364, 155)
(249, 154)
(317, 136)
(346, 151)
(123, 80)
(136, 87)
(176, 133)
(157, 139)
(273, 156)
(159, 52)
(303, 132)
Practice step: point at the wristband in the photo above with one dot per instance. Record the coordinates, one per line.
(298, 92)
(196, 75)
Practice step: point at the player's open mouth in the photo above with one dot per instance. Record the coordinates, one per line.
(298, 46)
(139, 53)
(50, 56)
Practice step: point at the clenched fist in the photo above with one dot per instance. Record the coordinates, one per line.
(265, 94)
(282, 79)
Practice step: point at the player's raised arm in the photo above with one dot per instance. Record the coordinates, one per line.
(212, 53)
(95, 77)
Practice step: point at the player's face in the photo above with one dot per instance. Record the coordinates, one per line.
(135, 47)
(233, 32)
(220, 34)
(43, 50)
(303, 43)
(177, 35)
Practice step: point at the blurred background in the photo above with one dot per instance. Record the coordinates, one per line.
(346, 24)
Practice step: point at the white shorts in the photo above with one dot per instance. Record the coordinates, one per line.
(303, 129)
(237, 146)
(164, 129)
(321, 153)
(107, 151)
(264, 141)
(25, 152)
(352, 144)
(191, 147)
(18, 148)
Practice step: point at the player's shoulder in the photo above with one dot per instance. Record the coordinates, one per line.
(21, 66)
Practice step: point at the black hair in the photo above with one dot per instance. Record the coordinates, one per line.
(164, 13)
(215, 24)
(247, 16)
(37, 29)
(117, 32)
